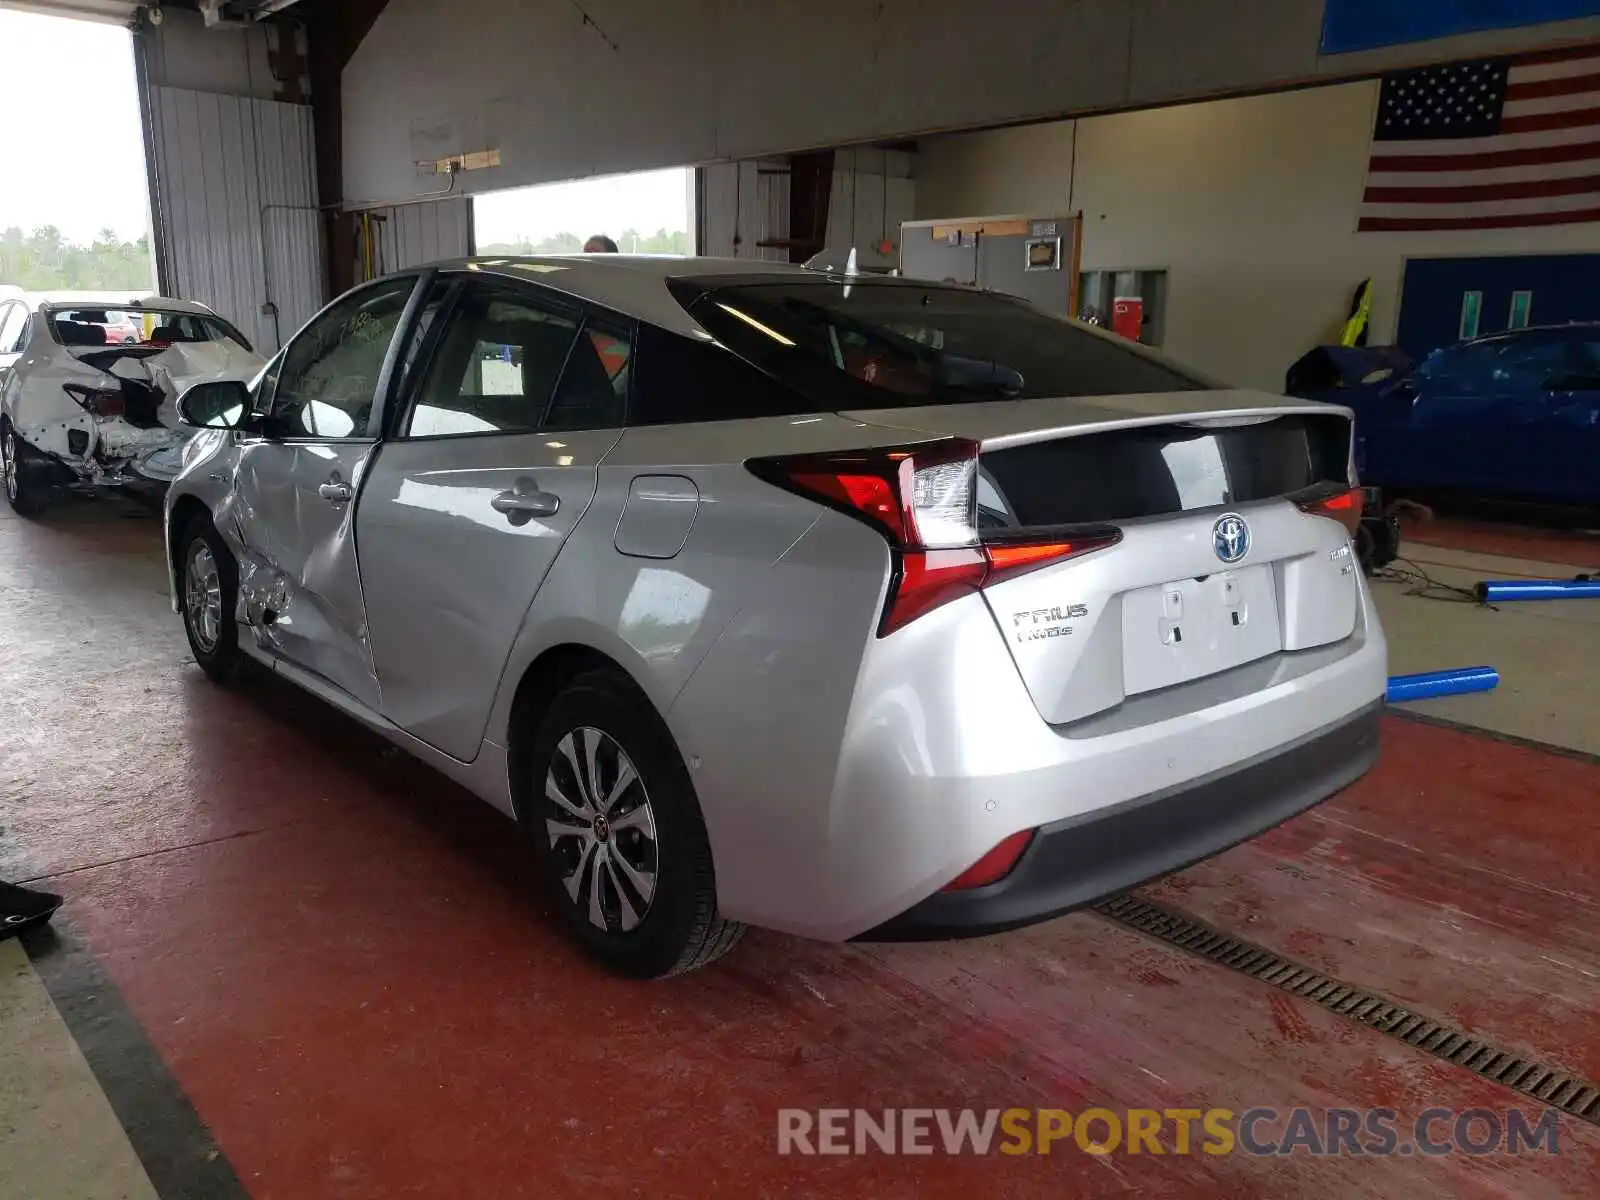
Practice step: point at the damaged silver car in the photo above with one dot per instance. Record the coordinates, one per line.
(87, 390)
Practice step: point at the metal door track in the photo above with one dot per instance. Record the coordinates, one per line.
(1548, 1085)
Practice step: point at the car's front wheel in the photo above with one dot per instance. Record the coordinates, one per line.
(23, 492)
(208, 585)
(625, 849)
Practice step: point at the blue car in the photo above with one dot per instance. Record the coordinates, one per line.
(1513, 415)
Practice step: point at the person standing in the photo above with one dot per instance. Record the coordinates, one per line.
(599, 244)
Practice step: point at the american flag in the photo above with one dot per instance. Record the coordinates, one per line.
(1492, 144)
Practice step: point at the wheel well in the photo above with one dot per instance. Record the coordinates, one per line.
(539, 686)
(183, 511)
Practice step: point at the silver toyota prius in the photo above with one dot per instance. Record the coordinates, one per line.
(844, 605)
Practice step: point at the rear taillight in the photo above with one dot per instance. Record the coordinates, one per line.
(101, 403)
(923, 499)
(1344, 507)
(993, 866)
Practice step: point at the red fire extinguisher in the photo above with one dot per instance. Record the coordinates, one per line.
(1127, 316)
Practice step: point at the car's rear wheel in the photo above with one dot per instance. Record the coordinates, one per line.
(23, 492)
(613, 811)
(209, 584)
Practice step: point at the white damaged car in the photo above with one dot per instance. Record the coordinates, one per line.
(88, 384)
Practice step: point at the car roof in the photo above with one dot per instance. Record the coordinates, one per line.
(1575, 330)
(115, 300)
(635, 284)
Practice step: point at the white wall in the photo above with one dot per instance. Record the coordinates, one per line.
(696, 81)
(1250, 205)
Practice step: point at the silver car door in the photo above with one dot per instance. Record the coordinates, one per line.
(300, 471)
(493, 463)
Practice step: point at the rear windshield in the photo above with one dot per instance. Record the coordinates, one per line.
(137, 327)
(1148, 471)
(883, 344)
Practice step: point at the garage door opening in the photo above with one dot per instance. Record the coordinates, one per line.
(75, 208)
(647, 212)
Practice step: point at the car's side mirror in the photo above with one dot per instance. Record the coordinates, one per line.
(215, 404)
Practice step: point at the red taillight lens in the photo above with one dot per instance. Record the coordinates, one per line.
(869, 495)
(101, 403)
(993, 866)
(929, 578)
(1343, 507)
(923, 499)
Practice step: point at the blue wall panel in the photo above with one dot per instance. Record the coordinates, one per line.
(1367, 24)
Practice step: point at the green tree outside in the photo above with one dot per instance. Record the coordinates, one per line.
(44, 261)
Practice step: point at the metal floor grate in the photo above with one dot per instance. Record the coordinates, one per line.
(1549, 1085)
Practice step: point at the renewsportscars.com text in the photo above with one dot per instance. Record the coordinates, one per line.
(1376, 1132)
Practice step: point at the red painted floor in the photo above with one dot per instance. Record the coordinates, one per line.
(342, 959)
(1581, 550)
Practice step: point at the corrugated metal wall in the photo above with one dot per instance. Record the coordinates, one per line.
(238, 197)
(873, 193)
(741, 206)
(409, 235)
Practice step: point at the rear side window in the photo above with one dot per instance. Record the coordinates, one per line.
(883, 344)
(679, 380)
(593, 391)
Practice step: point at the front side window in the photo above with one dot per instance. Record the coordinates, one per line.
(496, 366)
(327, 384)
(1460, 368)
(1523, 365)
(877, 344)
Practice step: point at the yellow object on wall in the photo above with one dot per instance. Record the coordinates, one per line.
(1360, 310)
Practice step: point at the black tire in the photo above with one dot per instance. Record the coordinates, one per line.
(679, 927)
(23, 491)
(218, 655)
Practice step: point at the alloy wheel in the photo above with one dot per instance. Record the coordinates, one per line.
(8, 460)
(202, 595)
(602, 830)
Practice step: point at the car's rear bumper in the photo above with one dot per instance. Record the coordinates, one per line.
(1076, 862)
(844, 786)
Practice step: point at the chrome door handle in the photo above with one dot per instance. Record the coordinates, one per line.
(335, 493)
(520, 506)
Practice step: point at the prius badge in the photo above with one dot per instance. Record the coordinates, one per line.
(1230, 537)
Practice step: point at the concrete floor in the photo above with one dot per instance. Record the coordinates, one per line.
(295, 964)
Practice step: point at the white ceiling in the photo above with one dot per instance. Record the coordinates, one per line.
(114, 12)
